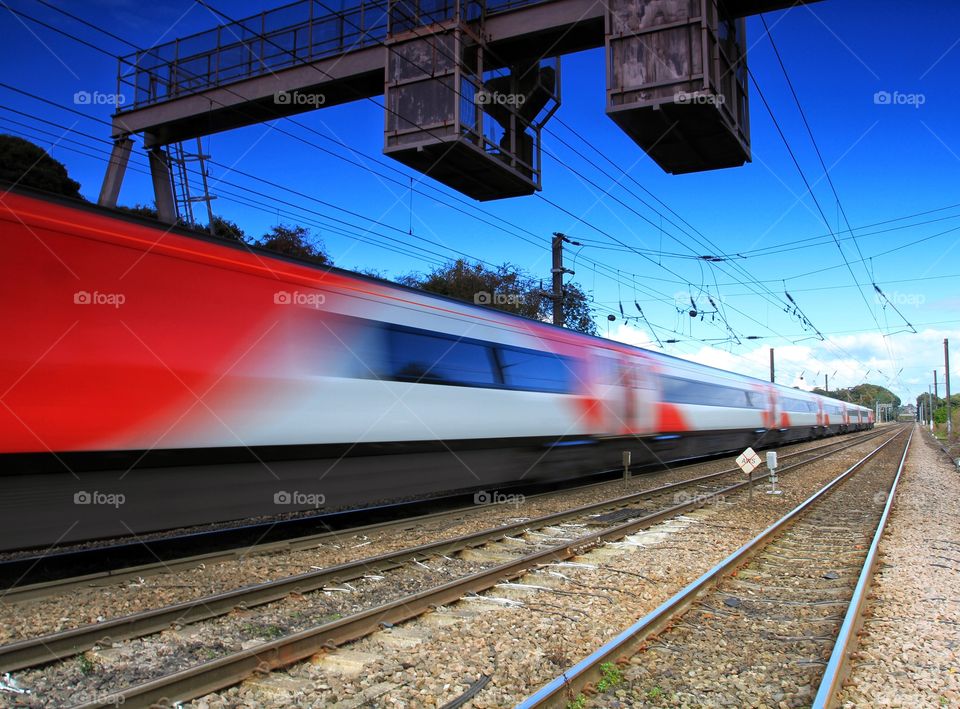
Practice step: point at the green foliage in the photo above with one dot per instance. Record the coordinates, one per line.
(226, 229)
(579, 703)
(864, 395)
(611, 676)
(654, 693)
(295, 241)
(140, 210)
(23, 163)
(87, 667)
(505, 288)
(577, 310)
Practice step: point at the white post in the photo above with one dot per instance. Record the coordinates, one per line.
(772, 466)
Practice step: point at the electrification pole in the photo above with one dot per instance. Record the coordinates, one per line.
(946, 377)
(930, 406)
(556, 295)
(826, 383)
(773, 379)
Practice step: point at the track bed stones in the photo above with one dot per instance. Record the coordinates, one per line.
(763, 635)
(522, 633)
(909, 651)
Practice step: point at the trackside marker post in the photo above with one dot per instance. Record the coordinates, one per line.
(626, 465)
(772, 465)
(748, 461)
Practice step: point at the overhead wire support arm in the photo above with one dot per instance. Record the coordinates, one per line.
(895, 309)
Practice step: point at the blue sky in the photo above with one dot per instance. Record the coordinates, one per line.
(887, 161)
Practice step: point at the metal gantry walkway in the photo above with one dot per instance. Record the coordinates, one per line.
(675, 75)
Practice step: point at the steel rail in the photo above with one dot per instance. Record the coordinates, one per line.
(562, 689)
(20, 594)
(55, 646)
(838, 667)
(234, 668)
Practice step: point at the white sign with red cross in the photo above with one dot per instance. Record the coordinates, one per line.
(748, 461)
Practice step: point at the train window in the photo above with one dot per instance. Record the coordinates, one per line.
(607, 370)
(798, 405)
(536, 371)
(686, 391)
(434, 359)
(756, 400)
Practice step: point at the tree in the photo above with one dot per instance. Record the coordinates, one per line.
(226, 229)
(23, 163)
(577, 310)
(140, 210)
(295, 241)
(865, 395)
(505, 288)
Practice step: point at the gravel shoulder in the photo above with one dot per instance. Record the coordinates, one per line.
(909, 653)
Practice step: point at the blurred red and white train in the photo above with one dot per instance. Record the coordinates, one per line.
(202, 379)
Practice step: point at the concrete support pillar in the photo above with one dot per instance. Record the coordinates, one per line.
(119, 157)
(162, 185)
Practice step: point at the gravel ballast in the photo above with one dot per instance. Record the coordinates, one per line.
(909, 653)
(89, 605)
(521, 636)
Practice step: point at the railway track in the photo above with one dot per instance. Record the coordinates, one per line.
(529, 543)
(60, 579)
(775, 621)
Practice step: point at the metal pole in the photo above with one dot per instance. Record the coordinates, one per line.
(946, 376)
(936, 395)
(557, 271)
(826, 383)
(772, 377)
(930, 406)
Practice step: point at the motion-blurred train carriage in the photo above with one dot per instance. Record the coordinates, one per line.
(199, 377)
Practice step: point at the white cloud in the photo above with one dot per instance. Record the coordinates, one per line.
(847, 360)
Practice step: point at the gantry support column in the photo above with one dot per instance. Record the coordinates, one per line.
(162, 185)
(119, 157)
